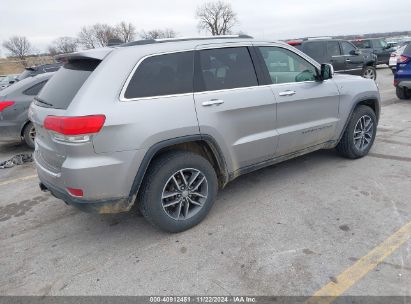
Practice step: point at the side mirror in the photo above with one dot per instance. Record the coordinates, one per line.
(355, 52)
(11, 81)
(327, 71)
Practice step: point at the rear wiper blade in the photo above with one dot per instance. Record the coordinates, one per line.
(42, 101)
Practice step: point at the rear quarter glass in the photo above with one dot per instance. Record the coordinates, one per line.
(407, 50)
(66, 82)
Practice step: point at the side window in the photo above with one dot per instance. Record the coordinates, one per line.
(285, 66)
(347, 48)
(363, 44)
(316, 50)
(162, 75)
(226, 68)
(34, 90)
(333, 48)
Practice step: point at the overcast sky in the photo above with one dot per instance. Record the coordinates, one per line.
(44, 20)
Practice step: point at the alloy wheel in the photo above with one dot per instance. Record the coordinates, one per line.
(369, 74)
(184, 194)
(363, 132)
(32, 133)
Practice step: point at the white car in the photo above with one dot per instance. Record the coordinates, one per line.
(394, 58)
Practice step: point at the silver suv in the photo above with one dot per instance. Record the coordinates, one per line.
(164, 124)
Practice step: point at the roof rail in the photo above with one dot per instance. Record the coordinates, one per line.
(318, 38)
(152, 41)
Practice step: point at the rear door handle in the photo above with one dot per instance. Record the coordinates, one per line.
(213, 102)
(287, 93)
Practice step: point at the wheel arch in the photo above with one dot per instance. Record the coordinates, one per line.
(23, 127)
(203, 145)
(373, 103)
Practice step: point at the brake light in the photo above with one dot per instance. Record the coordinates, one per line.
(293, 43)
(75, 192)
(403, 59)
(5, 104)
(74, 129)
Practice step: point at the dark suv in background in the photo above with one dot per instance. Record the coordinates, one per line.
(377, 46)
(343, 55)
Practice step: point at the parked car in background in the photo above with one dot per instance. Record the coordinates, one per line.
(14, 104)
(402, 77)
(40, 69)
(343, 55)
(377, 46)
(170, 121)
(7, 81)
(394, 58)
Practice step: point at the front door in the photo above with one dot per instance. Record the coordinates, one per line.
(354, 62)
(307, 109)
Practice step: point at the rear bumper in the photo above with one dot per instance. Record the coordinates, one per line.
(105, 206)
(106, 180)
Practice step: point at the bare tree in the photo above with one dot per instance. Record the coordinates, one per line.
(218, 18)
(126, 32)
(18, 46)
(97, 35)
(158, 34)
(63, 45)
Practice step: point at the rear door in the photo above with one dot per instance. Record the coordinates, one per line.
(232, 107)
(307, 110)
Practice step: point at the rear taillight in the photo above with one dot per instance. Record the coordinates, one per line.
(74, 129)
(5, 104)
(396, 82)
(403, 59)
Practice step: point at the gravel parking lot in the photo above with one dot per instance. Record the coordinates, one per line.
(288, 229)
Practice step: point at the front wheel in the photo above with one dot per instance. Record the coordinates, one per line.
(178, 191)
(369, 72)
(359, 134)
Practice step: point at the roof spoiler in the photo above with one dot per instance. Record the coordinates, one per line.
(96, 54)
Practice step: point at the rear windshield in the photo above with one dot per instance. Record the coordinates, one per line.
(66, 82)
(407, 50)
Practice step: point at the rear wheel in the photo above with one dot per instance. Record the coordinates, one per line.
(359, 134)
(29, 134)
(370, 72)
(403, 93)
(178, 191)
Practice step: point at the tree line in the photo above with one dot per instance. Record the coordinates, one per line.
(216, 18)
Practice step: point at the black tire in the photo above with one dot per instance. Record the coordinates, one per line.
(402, 93)
(158, 176)
(28, 135)
(370, 72)
(347, 147)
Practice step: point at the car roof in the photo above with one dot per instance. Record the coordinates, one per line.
(160, 45)
(27, 82)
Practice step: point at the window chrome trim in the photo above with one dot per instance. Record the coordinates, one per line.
(130, 76)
